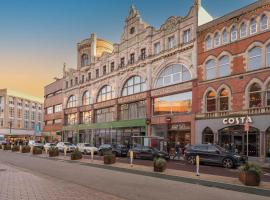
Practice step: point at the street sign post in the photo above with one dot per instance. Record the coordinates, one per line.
(247, 130)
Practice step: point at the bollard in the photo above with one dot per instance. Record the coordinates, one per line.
(46, 150)
(11, 146)
(197, 165)
(21, 148)
(32, 148)
(131, 158)
(92, 154)
(65, 150)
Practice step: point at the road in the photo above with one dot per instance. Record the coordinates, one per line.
(105, 183)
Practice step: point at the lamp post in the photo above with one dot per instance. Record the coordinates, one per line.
(10, 126)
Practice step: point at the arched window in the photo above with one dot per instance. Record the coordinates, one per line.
(105, 93)
(255, 96)
(253, 26)
(224, 66)
(264, 23)
(211, 101)
(133, 85)
(86, 99)
(85, 60)
(255, 58)
(225, 37)
(268, 95)
(208, 42)
(207, 136)
(173, 74)
(268, 55)
(243, 30)
(233, 34)
(223, 100)
(71, 102)
(216, 40)
(211, 69)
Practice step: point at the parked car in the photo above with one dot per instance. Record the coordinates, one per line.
(213, 154)
(2, 140)
(86, 148)
(61, 146)
(117, 149)
(36, 144)
(149, 153)
(49, 145)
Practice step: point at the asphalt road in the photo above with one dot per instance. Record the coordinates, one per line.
(123, 185)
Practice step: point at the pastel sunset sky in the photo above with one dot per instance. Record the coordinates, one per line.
(38, 36)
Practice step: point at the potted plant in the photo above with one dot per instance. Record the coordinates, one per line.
(1, 146)
(109, 158)
(7, 147)
(37, 150)
(15, 148)
(26, 149)
(76, 155)
(160, 164)
(53, 152)
(250, 174)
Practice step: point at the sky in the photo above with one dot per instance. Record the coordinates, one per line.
(38, 36)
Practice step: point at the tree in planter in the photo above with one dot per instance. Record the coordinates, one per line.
(7, 147)
(76, 155)
(250, 174)
(109, 158)
(160, 164)
(1, 146)
(15, 148)
(53, 152)
(37, 150)
(26, 149)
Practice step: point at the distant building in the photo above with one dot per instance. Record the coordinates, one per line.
(21, 116)
(53, 111)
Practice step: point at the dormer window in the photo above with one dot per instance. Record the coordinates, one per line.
(85, 60)
(132, 30)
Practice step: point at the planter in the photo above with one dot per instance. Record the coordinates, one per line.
(76, 155)
(15, 148)
(250, 178)
(160, 165)
(53, 152)
(37, 150)
(26, 149)
(109, 159)
(7, 147)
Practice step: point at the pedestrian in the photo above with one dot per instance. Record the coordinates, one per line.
(177, 150)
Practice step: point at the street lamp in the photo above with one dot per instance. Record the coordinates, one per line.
(10, 126)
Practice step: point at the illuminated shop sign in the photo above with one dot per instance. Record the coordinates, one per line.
(236, 120)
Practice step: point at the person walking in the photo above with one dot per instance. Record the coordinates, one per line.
(177, 151)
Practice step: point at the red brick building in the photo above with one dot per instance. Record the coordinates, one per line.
(53, 112)
(234, 80)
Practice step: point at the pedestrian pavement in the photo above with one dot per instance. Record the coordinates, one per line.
(18, 184)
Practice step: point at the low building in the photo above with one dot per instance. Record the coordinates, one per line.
(21, 115)
(53, 111)
(234, 80)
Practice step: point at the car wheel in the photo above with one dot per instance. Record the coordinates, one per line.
(227, 163)
(191, 160)
(85, 152)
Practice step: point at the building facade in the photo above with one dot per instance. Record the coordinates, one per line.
(53, 111)
(21, 116)
(234, 80)
(138, 91)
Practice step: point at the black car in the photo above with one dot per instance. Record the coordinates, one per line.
(149, 153)
(213, 154)
(117, 149)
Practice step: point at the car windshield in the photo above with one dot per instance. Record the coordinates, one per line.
(87, 145)
(68, 144)
(220, 148)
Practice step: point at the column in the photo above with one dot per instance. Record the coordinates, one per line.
(215, 137)
(262, 145)
(148, 113)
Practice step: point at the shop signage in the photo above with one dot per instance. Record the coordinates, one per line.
(180, 126)
(236, 120)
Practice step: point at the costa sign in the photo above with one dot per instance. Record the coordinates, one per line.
(236, 120)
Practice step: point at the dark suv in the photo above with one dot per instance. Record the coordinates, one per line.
(213, 154)
(149, 153)
(117, 149)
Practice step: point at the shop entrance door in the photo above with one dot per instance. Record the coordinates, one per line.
(238, 142)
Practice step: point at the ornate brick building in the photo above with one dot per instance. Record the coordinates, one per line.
(234, 80)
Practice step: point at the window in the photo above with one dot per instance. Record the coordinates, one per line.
(143, 54)
(171, 42)
(104, 69)
(233, 34)
(133, 110)
(122, 62)
(211, 101)
(157, 48)
(207, 136)
(112, 66)
(11, 112)
(66, 84)
(104, 115)
(11, 100)
(173, 74)
(173, 104)
(85, 60)
(72, 119)
(57, 121)
(268, 95)
(224, 66)
(255, 58)
(105, 93)
(268, 55)
(255, 96)
(26, 124)
(86, 99)
(71, 102)
(264, 22)
(243, 30)
(132, 30)
(253, 26)
(49, 110)
(82, 78)
(76, 80)
(224, 37)
(86, 117)
(71, 82)
(89, 76)
(97, 73)
(216, 40)
(33, 116)
(186, 36)
(19, 113)
(223, 100)
(26, 115)
(132, 58)
(208, 42)
(133, 85)
(211, 70)
(58, 108)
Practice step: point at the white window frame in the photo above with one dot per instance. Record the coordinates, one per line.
(253, 27)
(216, 40)
(225, 41)
(264, 27)
(157, 48)
(243, 34)
(233, 34)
